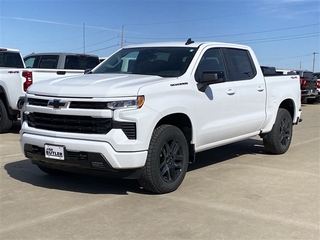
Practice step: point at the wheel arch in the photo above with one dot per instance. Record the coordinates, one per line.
(183, 122)
(289, 105)
(4, 98)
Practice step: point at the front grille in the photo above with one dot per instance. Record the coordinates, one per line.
(78, 124)
(73, 104)
(37, 102)
(75, 124)
(88, 105)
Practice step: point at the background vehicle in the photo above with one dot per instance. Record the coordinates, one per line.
(12, 79)
(269, 71)
(51, 65)
(15, 78)
(285, 71)
(148, 109)
(308, 84)
(61, 61)
(317, 75)
(309, 92)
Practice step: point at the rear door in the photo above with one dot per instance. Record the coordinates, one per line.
(250, 91)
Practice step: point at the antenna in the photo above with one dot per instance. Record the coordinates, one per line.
(189, 41)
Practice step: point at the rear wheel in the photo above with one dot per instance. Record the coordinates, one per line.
(278, 140)
(5, 122)
(167, 160)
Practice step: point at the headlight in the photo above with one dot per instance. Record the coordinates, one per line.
(135, 103)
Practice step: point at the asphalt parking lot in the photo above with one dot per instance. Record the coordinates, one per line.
(232, 192)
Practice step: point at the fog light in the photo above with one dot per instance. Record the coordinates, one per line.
(97, 165)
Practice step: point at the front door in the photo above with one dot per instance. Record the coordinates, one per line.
(216, 108)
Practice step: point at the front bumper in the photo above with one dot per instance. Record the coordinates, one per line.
(81, 154)
(309, 93)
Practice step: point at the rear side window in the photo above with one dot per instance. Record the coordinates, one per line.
(317, 75)
(81, 62)
(10, 60)
(43, 61)
(308, 75)
(31, 62)
(240, 64)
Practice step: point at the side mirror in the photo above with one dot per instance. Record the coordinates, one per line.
(209, 78)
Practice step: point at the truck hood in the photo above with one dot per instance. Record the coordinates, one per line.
(93, 85)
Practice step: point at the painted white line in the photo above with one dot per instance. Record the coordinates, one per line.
(249, 213)
(305, 142)
(13, 155)
(35, 221)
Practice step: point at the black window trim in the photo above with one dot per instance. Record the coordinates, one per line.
(224, 62)
(228, 63)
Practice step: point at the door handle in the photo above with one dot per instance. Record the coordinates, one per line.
(231, 91)
(260, 88)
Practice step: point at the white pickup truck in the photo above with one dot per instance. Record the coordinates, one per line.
(17, 74)
(148, 109)
(13, 83)
(59, 64)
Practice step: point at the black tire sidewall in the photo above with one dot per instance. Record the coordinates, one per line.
(5, 122)
(272, 140)
(161, 136)
(283, 113)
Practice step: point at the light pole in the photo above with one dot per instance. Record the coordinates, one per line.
(84, 38)
(314, 60)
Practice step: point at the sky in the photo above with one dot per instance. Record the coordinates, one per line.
(283, 33)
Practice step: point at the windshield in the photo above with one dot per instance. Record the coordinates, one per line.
(161, 61)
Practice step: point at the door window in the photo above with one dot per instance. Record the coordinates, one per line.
(45, 61)
(210, 61)
(240, 64)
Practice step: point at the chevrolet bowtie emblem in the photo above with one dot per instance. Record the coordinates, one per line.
(56, 103)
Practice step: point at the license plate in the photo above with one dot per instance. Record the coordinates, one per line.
(54, 152)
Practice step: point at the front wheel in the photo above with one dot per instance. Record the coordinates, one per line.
(278, 140)
(167, 160)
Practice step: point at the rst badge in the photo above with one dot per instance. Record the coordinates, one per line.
(54, 152)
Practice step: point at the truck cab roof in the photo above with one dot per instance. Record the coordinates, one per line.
(184, 44)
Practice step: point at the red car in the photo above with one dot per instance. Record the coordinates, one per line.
(317, 75)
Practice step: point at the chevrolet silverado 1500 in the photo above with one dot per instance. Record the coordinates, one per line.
(148, 109)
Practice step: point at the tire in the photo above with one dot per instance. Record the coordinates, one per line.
(278, 140)
(167, 160)
(5, 122)
(50, 171)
